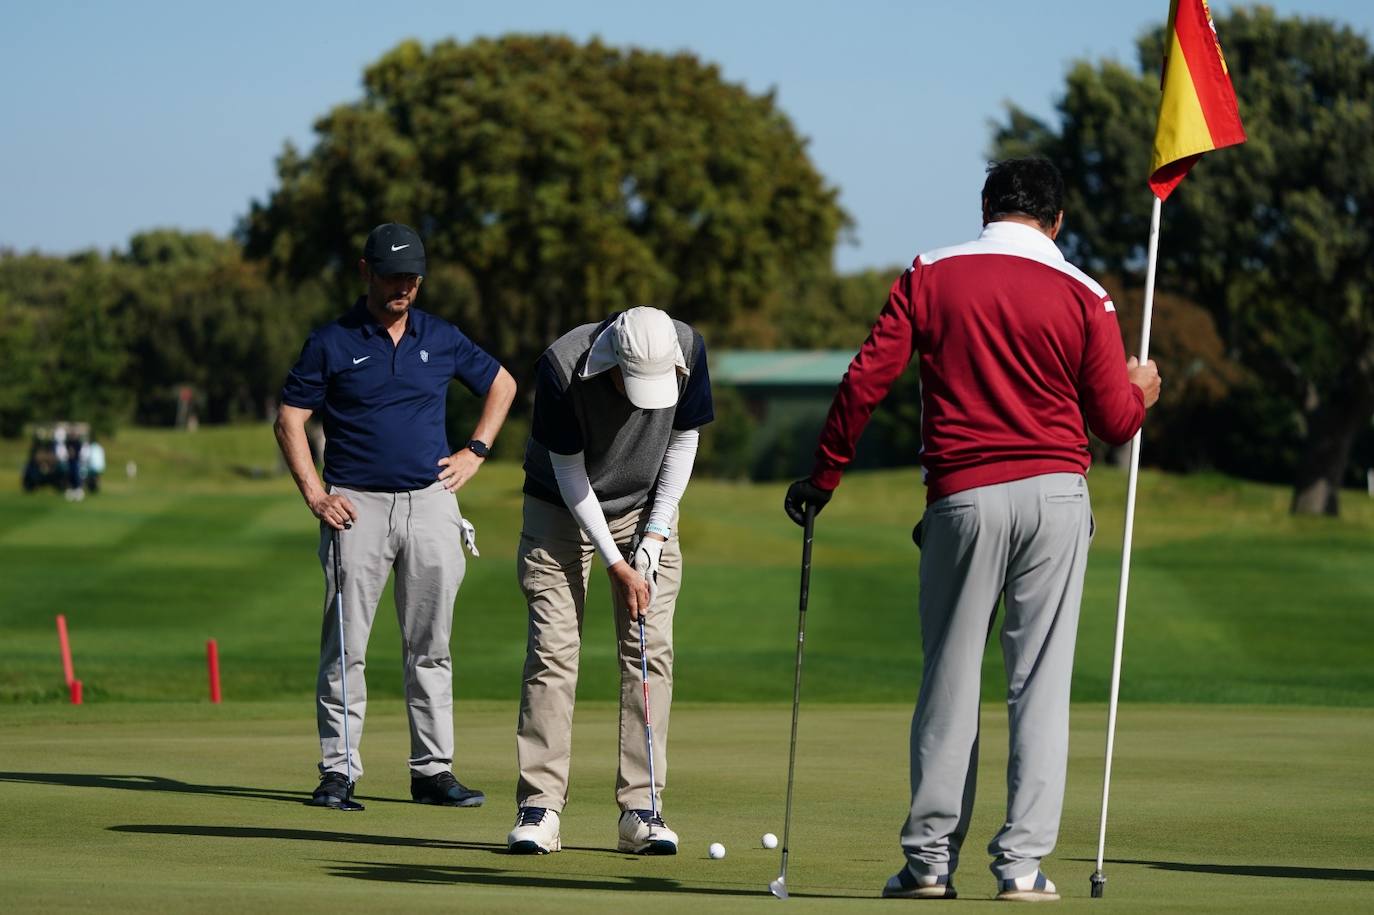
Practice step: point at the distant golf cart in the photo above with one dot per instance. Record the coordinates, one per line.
(63, 456)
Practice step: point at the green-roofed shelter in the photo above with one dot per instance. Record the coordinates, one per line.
(786, 394)
(821, 368)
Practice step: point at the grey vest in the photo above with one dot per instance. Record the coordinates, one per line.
(624, 445)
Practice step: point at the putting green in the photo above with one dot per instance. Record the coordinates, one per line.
(151, 806)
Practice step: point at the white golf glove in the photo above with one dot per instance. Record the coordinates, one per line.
(646, 557)
(469, 537)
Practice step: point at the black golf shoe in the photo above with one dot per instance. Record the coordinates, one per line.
(444, 790)
(334, 788)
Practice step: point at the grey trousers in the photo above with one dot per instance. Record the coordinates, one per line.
(1025, 542)
(418, 535)
(554, 562)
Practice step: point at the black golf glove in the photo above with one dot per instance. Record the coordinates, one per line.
(804, 493)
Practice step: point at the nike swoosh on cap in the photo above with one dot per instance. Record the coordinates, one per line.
(399, 247)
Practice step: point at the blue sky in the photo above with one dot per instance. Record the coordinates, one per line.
(136, 115)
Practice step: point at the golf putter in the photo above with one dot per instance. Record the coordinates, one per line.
(347, 803)
(779, 886)
(648, 726)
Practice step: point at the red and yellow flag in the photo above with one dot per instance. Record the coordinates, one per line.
(1198, 111)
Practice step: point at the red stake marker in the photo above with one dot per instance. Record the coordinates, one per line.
(212, 659)
(75, 687)
(66, 646)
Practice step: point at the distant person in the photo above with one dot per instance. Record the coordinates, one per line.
(380, 375)
(617, 408)
(76, 468)
(67, 451)
(95, 465)
(1017, 347)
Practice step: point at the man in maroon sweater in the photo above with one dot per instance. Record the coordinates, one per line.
(1017, 348)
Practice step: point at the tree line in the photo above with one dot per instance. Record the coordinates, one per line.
(555, 182)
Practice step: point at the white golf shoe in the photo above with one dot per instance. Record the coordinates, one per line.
(643, 832)
(535, 832)
(1034, 887)
(906, 885)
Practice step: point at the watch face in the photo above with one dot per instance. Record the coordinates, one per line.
(478, 448)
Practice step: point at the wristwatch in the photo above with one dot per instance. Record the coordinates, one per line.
(479, 447)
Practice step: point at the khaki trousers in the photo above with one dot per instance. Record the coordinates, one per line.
(553, 563)
(417, 534)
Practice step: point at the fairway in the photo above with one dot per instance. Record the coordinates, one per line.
(1232, 599)
(187, 808)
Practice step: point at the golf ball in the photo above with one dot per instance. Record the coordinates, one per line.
(716, 850)
(769, 840)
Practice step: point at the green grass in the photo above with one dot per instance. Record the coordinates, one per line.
(147, 798)
(181, 807)
(1232, 600)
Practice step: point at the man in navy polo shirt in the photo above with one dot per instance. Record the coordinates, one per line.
(617, 406)
(380, 374)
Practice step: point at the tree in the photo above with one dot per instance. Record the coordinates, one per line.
(65, 349)
(1274, 238)
(20, 374)
(555, 182)
(86, 366)
(199, 314)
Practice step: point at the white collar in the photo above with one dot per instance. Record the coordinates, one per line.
(1021, 235)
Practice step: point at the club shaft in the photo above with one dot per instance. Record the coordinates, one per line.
(648, 725)
(343, 655)
(808, 532)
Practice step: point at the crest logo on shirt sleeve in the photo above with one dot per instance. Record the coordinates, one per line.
(424, 355)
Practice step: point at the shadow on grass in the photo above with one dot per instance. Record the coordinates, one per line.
(317, 835)
(1253, 870)
(485, 876)
(454, 875)
(146, 783)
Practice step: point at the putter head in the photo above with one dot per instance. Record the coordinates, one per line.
(779, 887)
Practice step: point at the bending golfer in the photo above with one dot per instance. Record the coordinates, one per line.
(380, 375)
(617, 406)
(1017, 347)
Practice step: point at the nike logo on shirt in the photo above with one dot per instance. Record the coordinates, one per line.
(361, 359)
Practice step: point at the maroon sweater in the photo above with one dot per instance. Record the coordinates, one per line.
(1017, 347)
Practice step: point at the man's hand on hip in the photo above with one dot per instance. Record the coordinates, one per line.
(629, 588)
(459, 467)
(333, 509)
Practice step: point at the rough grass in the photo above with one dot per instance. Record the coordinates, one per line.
(1232, 600)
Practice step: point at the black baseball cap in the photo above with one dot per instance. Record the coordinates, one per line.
(394, 248)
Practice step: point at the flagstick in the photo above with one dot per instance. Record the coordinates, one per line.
(1099, 879)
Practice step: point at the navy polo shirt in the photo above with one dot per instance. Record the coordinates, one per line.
(383, 404)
